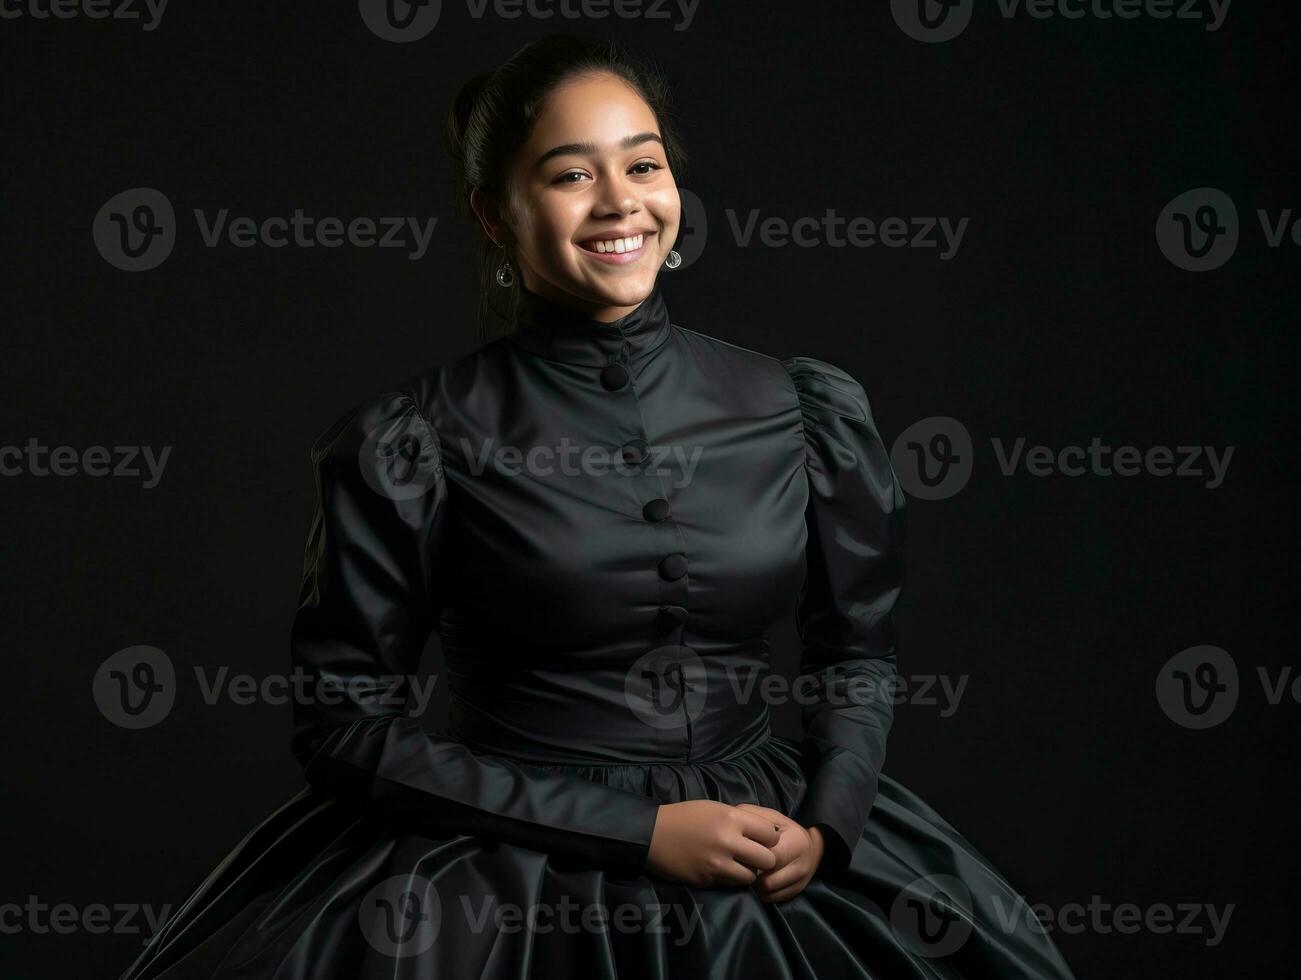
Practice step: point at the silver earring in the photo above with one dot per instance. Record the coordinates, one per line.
(673, 261)
(505, 274)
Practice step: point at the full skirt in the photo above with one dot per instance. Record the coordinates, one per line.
(320, 891)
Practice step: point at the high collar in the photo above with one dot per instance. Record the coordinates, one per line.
(561, 333)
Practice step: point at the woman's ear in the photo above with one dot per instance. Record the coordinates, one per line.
(487, 210)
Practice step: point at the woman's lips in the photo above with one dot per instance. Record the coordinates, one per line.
(615, 258)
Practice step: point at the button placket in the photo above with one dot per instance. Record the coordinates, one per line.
(672, 562)
(672, 565)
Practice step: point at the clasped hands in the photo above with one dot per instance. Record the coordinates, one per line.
(711, 844)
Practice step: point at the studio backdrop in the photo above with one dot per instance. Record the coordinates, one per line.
(1056, 242)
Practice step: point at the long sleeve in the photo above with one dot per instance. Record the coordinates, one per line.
(855, 520)
(371, 596)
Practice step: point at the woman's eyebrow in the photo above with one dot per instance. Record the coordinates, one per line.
(591, 149)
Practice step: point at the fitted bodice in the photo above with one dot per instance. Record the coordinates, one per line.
(602, 521)
(637, 491)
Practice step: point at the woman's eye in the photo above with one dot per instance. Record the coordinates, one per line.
(642, 168)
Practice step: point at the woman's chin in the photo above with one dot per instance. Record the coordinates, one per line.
(628, 289)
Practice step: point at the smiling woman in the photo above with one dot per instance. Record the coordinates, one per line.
(550, 150)
(568, 218)
(609, 749)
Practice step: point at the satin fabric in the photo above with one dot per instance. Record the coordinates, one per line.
(602, 521)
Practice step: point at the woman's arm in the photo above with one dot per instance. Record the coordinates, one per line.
(371, 595)
(855, 519)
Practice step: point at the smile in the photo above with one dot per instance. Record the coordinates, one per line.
(616, 250)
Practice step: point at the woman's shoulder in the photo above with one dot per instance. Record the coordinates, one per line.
(735, 364)
(388, 417)
(822, 389)
(427, 392)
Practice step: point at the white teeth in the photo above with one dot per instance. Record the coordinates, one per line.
(618, 244)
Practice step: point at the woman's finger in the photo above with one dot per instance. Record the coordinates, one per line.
(735, 873)
(773, 881)
(785, 895)
(754, 855)
(759, 828)
(787, 850)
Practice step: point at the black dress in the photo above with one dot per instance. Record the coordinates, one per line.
(602, 520)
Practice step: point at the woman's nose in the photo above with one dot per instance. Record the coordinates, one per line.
(619, 196)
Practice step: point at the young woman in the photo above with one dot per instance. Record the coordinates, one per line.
(602, 513)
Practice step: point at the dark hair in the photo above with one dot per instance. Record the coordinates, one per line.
(493, 115)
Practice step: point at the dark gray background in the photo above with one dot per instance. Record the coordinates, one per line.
(1059, 598)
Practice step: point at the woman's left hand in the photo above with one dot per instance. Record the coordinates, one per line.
(799, 852)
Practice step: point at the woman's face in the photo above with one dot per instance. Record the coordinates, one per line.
(595, 209)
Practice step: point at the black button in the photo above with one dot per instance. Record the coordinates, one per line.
(673, 567)
(671, 616)
(614, 376)
(656, 510)
(635, 452)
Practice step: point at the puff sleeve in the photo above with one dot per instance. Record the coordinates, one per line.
(375, 558)
(855, 520)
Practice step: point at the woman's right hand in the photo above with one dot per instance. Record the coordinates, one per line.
(708, 844)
